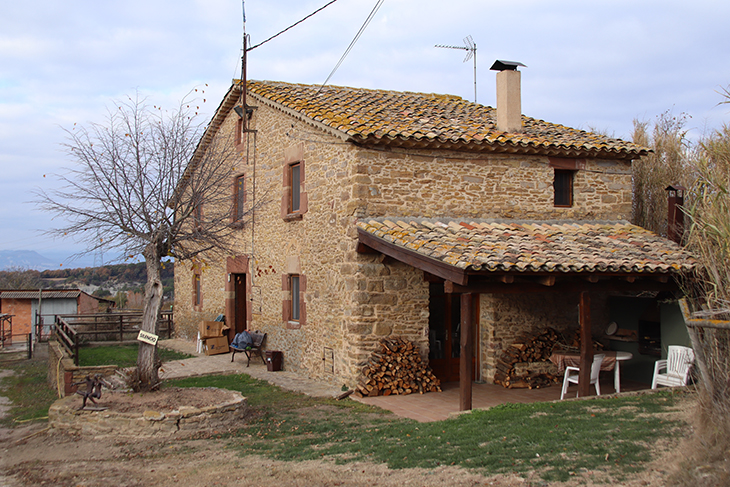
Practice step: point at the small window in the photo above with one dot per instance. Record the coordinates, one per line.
(294, 197)
(296, 187)
(239, 198)
(295, 311)
(563, 187)
(294, 308)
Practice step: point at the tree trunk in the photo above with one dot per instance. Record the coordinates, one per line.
(147, 361)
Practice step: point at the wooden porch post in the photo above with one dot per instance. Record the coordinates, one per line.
(467, 349)
(586, 344)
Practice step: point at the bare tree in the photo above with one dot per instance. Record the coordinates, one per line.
(144, 184)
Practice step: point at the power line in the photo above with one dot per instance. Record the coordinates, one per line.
(293, 25)
(352, 44)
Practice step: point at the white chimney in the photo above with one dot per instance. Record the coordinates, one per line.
(509, 99)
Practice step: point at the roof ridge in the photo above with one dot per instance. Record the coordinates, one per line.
(415, 119)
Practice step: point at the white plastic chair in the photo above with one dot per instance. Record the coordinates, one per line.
(676, 367)
(572, 375)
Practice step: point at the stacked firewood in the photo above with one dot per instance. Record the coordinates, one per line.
(396, 368)
(532, 350)
(527, 349)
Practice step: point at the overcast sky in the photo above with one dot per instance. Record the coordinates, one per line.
(590, 65)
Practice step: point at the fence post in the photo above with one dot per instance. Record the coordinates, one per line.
(30, 346)
(76, 350)
(121, 328)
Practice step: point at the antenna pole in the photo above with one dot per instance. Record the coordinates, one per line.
(243, 82)
(471, 51)
(474, 50)
(243, 69)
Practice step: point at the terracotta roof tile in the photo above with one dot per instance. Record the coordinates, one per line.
(614, 247)
(446, 121)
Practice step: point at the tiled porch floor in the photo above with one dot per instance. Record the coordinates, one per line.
(437, 406)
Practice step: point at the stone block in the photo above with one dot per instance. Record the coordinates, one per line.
(382, 329)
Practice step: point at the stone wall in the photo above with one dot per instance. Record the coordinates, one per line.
(353, 299)
(505, 317)
(418, 183)
(212, 280)
(63, 373)
(186, 420)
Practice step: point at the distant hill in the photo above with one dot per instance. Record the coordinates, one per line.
(104, 281)
(25, 259)
(109, 277)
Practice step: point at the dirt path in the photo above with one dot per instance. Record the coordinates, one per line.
(34, 456)
(72, 461)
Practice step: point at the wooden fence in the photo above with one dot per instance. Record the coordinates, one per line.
(73, 330)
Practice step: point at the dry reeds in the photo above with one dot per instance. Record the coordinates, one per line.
(668, 163)
(708, 210)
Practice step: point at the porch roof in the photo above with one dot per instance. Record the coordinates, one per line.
(455, 249)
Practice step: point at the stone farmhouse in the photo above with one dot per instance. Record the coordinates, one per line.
(455, 225)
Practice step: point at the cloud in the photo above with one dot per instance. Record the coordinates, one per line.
(590, 64)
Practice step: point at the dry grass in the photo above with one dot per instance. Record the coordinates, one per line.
(669, 163)
(704, 168)
(708, 210)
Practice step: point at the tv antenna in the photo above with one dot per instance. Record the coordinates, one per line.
(471, 52)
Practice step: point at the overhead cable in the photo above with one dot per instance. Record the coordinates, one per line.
(352, 44)
(293, 25)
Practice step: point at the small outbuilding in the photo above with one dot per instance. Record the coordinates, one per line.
(30, 307)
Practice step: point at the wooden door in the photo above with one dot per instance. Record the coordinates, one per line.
(240, 303)
(445, 333)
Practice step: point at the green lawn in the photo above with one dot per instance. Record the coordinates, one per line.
(121, 355)
(557, 440)
(27, 386)
(28, 390)
(612, 436)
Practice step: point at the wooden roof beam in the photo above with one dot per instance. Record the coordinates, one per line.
(414, 259)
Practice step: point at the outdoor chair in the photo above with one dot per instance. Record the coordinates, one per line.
(676, 367)
(256, 348)
(572, 375)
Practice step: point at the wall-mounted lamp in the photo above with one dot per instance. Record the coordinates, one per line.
(239, 111)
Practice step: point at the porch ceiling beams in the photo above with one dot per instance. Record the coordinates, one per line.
(432, 266)
(518, 283)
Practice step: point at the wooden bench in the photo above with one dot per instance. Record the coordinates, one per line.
(259, 341)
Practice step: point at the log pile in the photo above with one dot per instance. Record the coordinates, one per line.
(396, 368)
(527, 349)
(534, 349)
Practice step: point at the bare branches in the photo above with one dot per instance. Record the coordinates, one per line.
(668, 163)
(139, 186)
(129, 187)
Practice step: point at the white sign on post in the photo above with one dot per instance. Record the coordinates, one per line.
(147, 337)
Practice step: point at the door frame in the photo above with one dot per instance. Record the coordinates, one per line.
(238, 265)
(447, 369)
